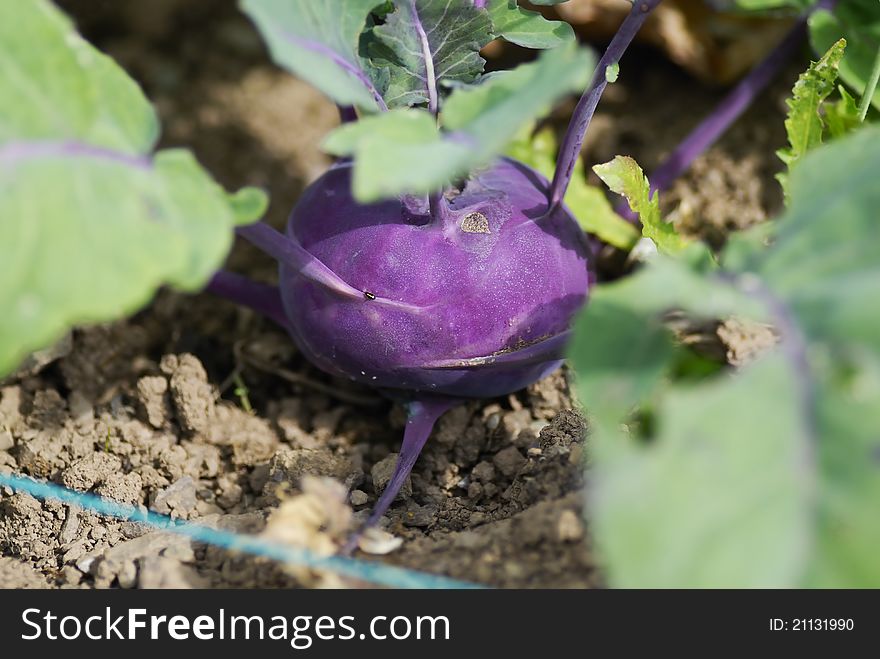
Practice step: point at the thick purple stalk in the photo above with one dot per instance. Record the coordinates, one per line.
(570, 150)
(291, 254)
(262, 298)
(729, 110)
(423, 414)
(439, 207)
(347, 114)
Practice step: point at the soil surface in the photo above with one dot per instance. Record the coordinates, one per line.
(205, 411)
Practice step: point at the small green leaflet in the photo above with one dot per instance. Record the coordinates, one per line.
(403, 151)
(92, 222)
(424, 44)
(527, 28)
(589, 204)
(318, 41)
(858, 21)
(624, 176)
(612, 71)
(767, 476)
(804, 124)
(842, 116)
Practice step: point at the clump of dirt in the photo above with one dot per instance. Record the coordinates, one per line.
(203, 411)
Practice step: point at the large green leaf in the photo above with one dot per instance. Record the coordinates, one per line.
(318, 42)
(403, 151)
(767, 476)
(825, 261)
(55, 86)
(91, 223)
(424, 44)
(527, 28)
(715, 498)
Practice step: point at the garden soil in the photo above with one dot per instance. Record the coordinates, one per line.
(204, 411)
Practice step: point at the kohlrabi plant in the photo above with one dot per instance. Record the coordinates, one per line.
(426, 263)
(448, 253)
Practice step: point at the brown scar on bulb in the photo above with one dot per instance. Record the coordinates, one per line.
(475, 223)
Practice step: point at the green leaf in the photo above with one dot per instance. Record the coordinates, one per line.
(588, 204)
(858, 21)
(493, 112)
(318, 42)
(527, 28)
(624, 176)
(387, 146)
(63, 89)
(424, 44)
(804, 124)
(842, 116)
(248, 205)
(824, 262)
(712, 500)
(766, 477)
(402, 151)
(91, 222)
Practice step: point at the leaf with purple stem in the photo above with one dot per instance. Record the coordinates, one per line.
(761, 476)
(424, 44)
(318, 41)
(403, 151)
(92, 221)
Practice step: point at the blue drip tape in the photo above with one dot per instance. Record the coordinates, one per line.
(373, 572)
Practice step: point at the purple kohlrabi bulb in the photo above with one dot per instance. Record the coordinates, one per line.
(474, 305)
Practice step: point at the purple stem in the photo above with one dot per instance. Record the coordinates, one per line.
(347, 114)
(290, 253)
(570, 150)
(262, 298)
(439, 207)
(480, 4)
(423, 414)
(729, 110)
(294, 256)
